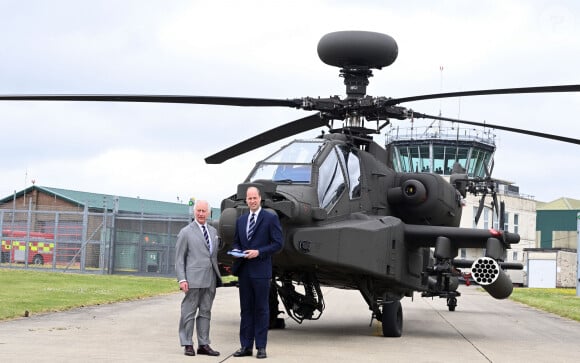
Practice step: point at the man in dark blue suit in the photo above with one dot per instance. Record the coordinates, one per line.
(259, 235)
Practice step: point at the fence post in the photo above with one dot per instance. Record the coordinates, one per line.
(55, 241)
(578, 254)
(27, 239)
(85, 236)
(104, 242)
(113, 238)
(2, 253)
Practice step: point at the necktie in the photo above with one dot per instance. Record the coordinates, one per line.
(206, 237)
(251, 226)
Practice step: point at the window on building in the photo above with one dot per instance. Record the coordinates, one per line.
(414, 159)
(438, 159)
(463, 253)
(514, 255)
(486, 218)
(495, 224)
(478, 161)
(506, 221)
(516, 223)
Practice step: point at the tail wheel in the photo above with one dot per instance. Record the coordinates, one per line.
(392, 319)
(38, 260)
(451, 303)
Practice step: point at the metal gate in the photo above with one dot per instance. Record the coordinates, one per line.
(146, 243)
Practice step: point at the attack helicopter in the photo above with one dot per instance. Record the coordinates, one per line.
(349, 219)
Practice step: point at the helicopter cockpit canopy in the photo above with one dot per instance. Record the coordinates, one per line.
(338, 172)
(291, 164)
(303, 162)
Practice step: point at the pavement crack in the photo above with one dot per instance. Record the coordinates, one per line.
(460, 333)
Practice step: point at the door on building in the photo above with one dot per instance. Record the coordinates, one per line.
(542, 273)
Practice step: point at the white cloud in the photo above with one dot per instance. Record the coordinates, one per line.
(265, 49)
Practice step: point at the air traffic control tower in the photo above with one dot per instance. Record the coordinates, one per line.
(434, 149)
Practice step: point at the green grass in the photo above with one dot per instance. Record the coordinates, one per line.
(43, 291)
(562, 302)
(36, 292)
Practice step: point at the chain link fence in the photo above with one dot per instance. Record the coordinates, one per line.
(90, 242)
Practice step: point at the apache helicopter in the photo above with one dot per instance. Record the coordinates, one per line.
(349, 219)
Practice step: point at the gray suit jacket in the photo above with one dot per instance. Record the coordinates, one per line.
(192, 258)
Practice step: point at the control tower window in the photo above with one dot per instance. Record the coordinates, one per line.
(414, 159)
(478, 162)
(445, 156)
(438, 159)
(460, 156)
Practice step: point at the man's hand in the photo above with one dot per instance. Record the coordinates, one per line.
(251, 253)
(184, 286)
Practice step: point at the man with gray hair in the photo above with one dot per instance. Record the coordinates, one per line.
(198, 274)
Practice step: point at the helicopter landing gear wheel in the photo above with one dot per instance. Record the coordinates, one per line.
(451, 303)
(392, 319)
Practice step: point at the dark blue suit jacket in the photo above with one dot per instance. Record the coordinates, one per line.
(267, 239)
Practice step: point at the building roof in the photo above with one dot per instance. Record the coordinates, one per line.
(560, 204)
(106, 201)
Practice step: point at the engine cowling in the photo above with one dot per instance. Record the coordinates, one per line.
(422, 198)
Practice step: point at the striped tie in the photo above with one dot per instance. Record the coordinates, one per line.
(206, 237)
(252, 226)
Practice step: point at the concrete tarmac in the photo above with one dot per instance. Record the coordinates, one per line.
(481, 329)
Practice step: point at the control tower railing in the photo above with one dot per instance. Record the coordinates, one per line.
(431, 132)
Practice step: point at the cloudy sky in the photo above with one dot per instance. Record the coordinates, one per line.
(267, 49)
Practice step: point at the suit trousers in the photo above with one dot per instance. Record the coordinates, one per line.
(196, 310)
(255, 310)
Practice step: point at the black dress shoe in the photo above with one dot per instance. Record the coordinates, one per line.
(188, 350)
(243, 352)
(261, 353)
(206, 350)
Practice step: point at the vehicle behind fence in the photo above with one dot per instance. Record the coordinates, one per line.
(92, 242)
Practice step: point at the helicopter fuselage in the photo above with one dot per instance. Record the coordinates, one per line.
(343, 213)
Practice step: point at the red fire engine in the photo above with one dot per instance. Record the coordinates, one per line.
(40, 247)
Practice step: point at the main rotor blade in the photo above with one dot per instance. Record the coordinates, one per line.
(204, 100)
(487, 170)
(499, 127)
(265, 138)
(483, 92)
(496, 207)
(479, 209)
(501, 215)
